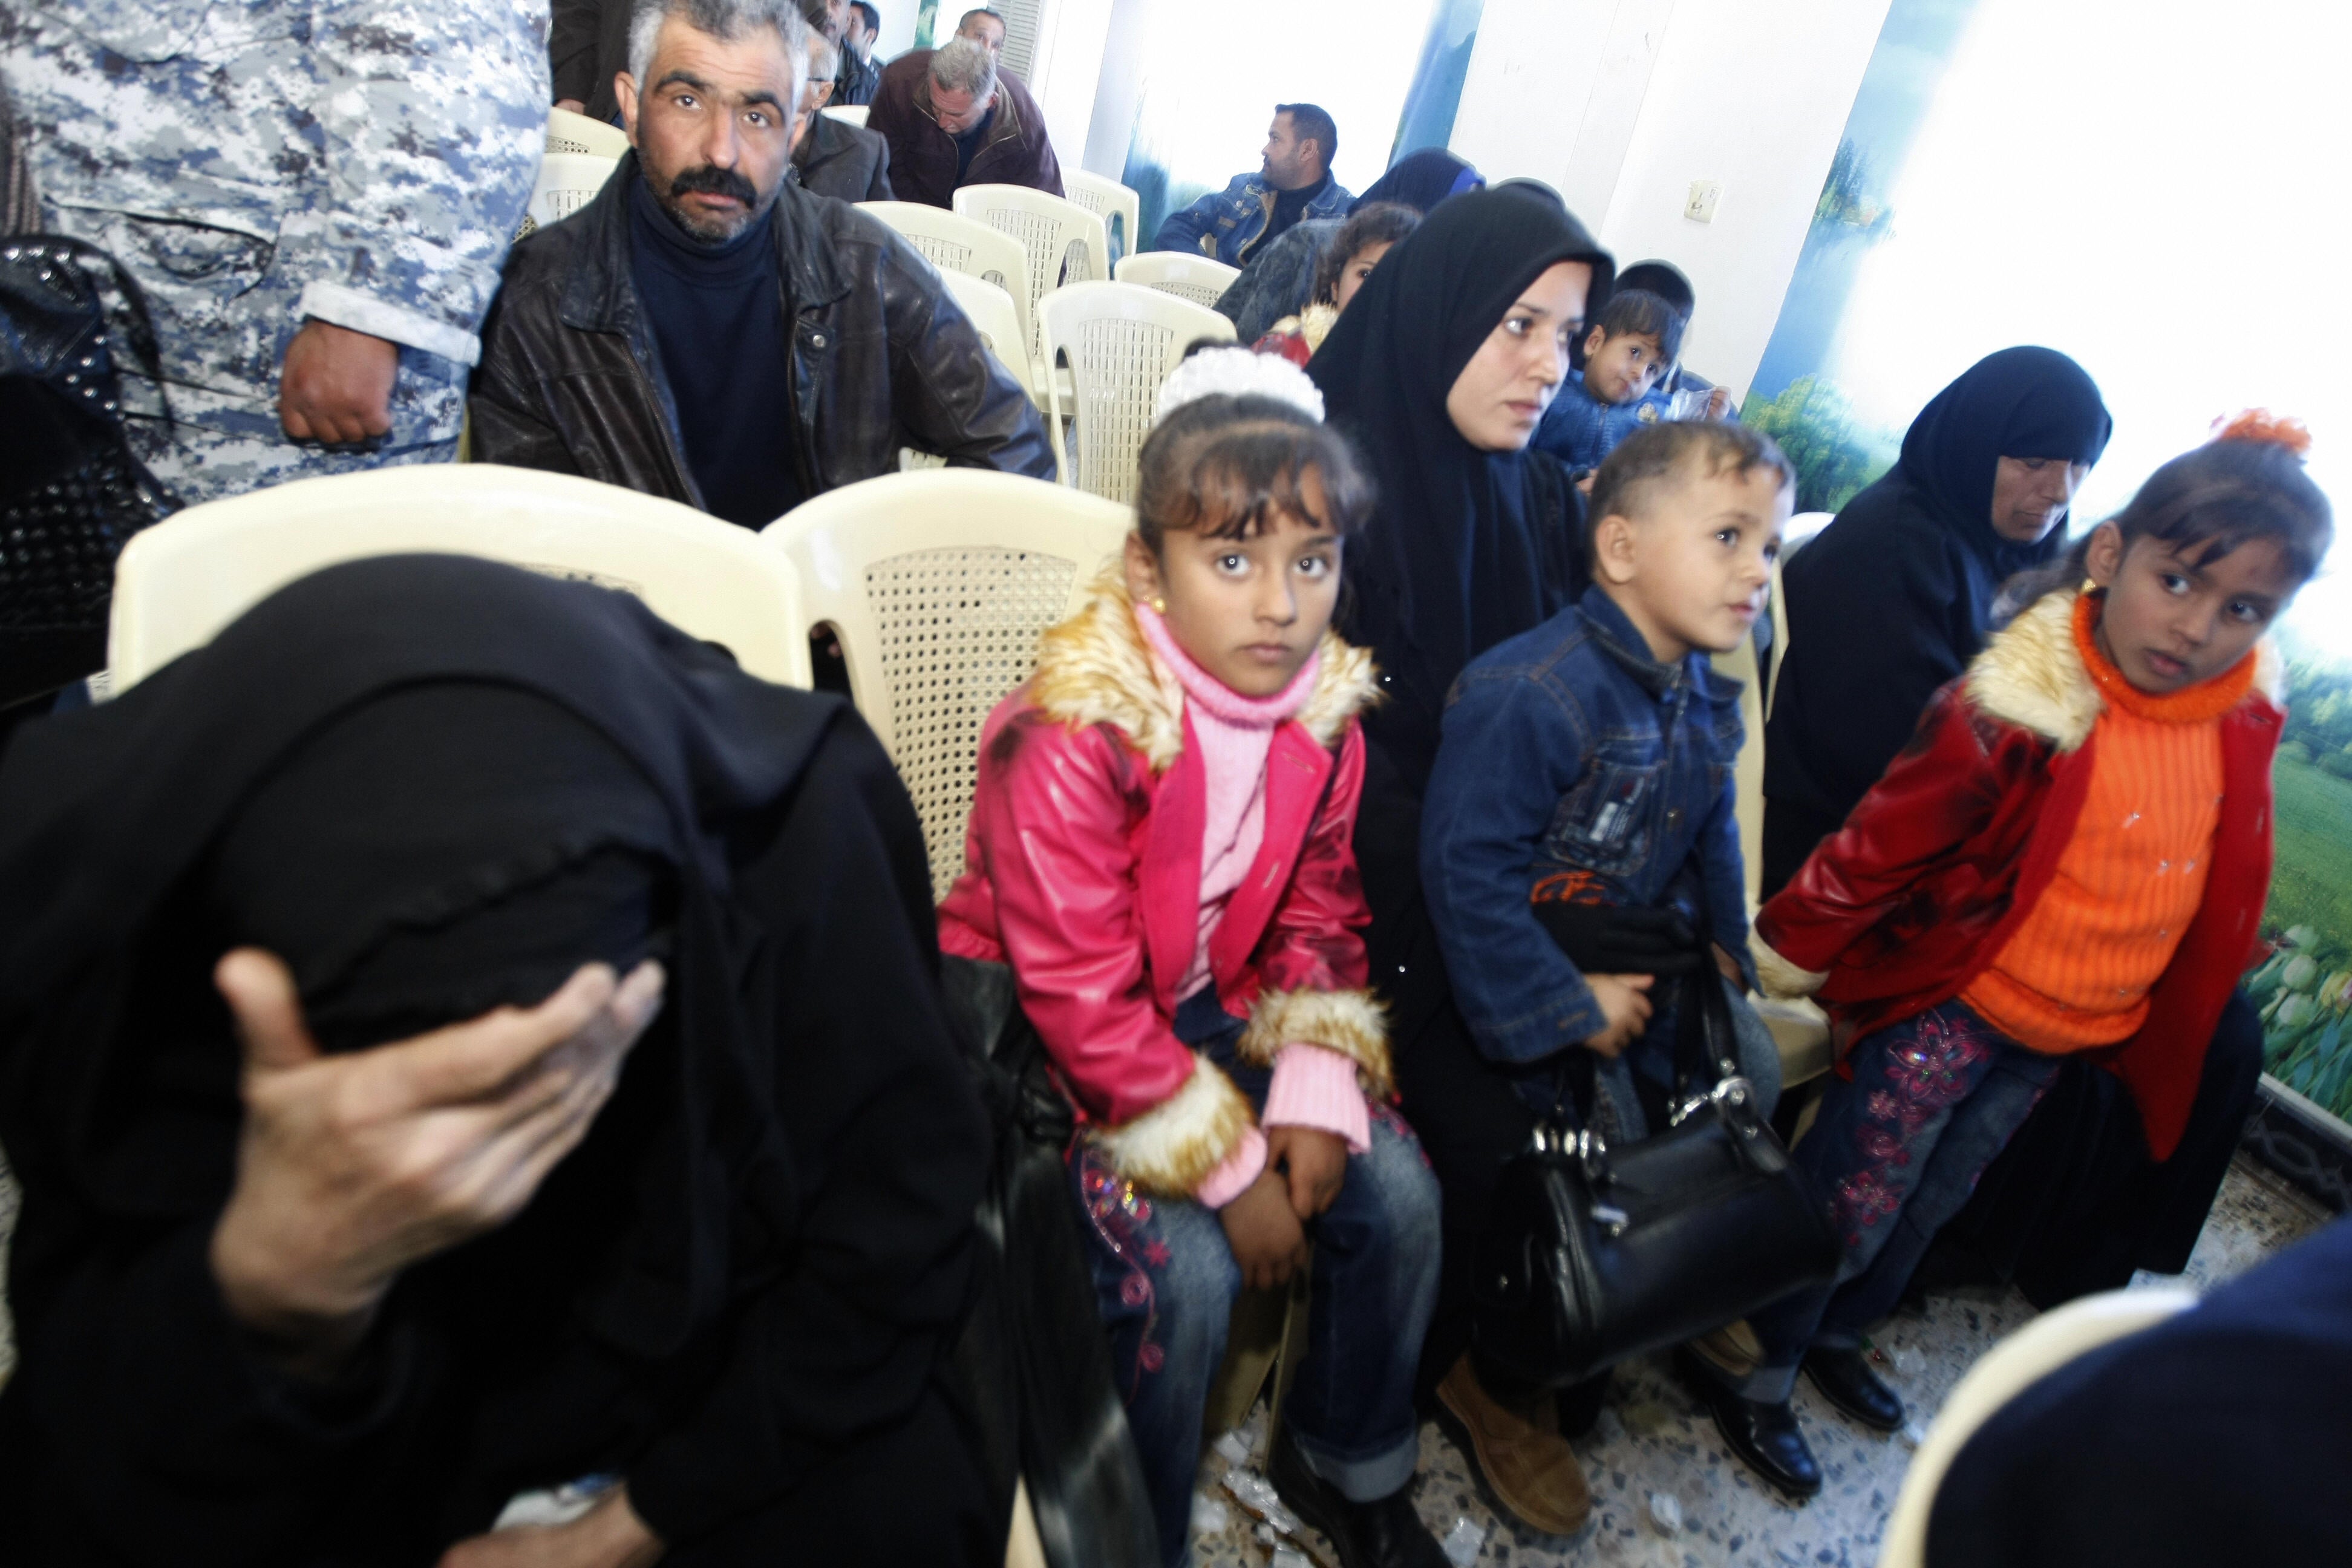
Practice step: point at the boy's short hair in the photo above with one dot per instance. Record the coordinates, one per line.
(1645, 315)
(1676, 449)
(1663, 279)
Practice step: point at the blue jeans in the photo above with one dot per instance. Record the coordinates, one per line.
(1165, 1279)
(1898, 1152)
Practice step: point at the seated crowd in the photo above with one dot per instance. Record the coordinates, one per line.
(490, 1081)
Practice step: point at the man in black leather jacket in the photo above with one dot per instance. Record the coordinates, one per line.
(656, 338)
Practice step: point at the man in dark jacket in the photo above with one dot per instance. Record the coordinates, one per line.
(670, 334)
(952, 119)
(833, 158)
(861, 77)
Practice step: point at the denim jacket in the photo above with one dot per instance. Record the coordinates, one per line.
(1570, 748)
(1580, 429)
(1226, 223)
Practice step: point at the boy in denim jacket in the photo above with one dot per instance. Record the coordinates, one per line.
(1590, 761)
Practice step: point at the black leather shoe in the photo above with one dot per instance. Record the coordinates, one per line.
(1764, 1436)
(1383, 1534)
(1846, 1381)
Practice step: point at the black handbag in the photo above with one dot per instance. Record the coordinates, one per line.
(71, 491)
(1592, 1254)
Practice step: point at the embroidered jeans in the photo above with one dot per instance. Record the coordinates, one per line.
(1165, 1279)
(1898, 1152)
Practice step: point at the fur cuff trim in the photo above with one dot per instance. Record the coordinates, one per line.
(1776, 976)
(1352, 1023)
(1096, 669)
(1170, 1149)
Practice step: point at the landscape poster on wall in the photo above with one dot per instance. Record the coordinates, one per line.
(1991, 189)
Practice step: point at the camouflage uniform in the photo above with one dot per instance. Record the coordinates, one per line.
(254, 163)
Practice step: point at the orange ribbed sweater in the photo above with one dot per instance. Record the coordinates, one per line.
(2076, 972)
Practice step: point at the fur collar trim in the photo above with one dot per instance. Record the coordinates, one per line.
(1095, 669)
(2030, 675)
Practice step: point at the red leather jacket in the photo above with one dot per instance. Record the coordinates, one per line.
(1083, 872)
(1908, 903)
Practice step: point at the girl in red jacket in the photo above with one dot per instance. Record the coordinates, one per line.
(2070, 856)
(1159, 847)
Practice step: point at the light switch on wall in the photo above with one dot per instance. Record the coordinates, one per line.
(1704, 194)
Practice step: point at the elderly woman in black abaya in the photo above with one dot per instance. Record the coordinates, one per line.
(1888, 603)
(584, 1104)
(1440, 371)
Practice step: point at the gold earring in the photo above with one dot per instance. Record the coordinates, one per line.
(2090, 585)
(1158, 605)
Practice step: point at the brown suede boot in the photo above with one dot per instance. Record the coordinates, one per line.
(1528, 1464)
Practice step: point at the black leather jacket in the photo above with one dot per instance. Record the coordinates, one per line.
(882, 358)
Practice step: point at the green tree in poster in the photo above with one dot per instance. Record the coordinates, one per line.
(926, 23)
(1815, 426)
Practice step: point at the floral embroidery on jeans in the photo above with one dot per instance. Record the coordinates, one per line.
(1926, 1075)
(1118, 1214)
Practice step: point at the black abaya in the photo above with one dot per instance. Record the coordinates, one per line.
(435, 785)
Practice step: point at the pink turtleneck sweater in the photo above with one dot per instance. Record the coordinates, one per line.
(1313, 1086)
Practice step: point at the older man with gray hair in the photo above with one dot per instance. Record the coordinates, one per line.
(953, 120)
(833, 158)
(707, 331)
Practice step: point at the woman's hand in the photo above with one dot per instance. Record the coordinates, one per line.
(1317, 1162)
(1625, 1005)
(352, 1167)
(609, 1535)
(1264, 1232)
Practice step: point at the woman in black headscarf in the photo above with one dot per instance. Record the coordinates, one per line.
(433, 787)
(1279, 279)
(1439, 372)
(1893, 599)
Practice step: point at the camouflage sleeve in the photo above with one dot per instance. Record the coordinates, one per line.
(431, 118)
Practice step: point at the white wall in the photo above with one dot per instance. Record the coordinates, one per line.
(898, 34)
(1621, 104)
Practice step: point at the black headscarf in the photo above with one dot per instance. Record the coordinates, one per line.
(2019, 403)
(1909, 571)
(1420, 181)
(1465, 547)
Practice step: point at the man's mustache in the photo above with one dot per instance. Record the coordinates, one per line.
(712, 179)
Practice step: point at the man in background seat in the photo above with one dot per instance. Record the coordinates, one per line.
(708, 332)
(1293, 183)
(953, 120)
(833, 158)
(861, 77)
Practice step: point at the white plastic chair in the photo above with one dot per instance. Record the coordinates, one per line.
(2006, 1371)
(849, 113)
(955, 244)
(1122, 340)
(997, 319)
(1063, 242)
(1200, 279)
(567, 182)
(180, 582)
(1804, 526)
(570, 132)
(937, 584)
(1107, 199)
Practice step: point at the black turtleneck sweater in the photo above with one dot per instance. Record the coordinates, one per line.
(1289, 205)
(719, 323)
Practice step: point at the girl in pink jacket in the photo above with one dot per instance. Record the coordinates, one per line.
(1160, 850)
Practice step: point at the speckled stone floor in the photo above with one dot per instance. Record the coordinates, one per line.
(1653, 1442)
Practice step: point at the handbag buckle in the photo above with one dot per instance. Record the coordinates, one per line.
(1593, 1152)
(1612, 1219)
(1731, 1093)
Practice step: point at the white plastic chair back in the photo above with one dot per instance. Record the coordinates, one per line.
(955, 244)
(2006, 1371)
(1108, 200)
(1804, 526)
(849, 113)
(567, 182)
(1122, 340)
(997, 319)
(1063, 242)
(1200, 279)
(570, 132)
(180, 582)
(937, 584)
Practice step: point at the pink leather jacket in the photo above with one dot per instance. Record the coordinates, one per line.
(1082, 870)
